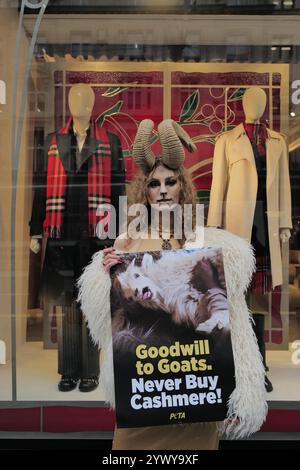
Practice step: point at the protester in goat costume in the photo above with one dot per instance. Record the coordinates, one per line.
(247, 403)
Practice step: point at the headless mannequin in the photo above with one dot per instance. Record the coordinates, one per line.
(250, 193)
(254, 104)
(86, 357)
(81, 102)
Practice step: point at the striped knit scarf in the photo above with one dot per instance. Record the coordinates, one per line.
(99, 189)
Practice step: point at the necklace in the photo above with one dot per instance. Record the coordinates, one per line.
(166, 243)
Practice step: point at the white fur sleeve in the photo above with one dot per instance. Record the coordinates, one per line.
(94, 296)
(247, 406)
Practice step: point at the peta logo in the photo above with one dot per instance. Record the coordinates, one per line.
(296, 354)
(177, 415)
(2, 92)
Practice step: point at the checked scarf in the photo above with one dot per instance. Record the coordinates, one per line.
(99, 189)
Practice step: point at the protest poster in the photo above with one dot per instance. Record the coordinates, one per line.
(173, 360)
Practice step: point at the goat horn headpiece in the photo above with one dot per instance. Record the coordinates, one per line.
(172, 138)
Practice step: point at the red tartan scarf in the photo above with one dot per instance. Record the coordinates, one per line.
(99, 188)
(257, 134)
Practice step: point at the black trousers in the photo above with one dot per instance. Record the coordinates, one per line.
(77, 355)
(65, 261)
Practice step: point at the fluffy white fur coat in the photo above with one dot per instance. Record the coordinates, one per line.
(247, 404)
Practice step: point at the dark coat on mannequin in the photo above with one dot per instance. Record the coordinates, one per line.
(66, 257)
(57, 287)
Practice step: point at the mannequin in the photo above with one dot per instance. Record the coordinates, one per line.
(254, 105)
(250, 194)
(64, 213)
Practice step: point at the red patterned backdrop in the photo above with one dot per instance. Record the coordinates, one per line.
(203, 103)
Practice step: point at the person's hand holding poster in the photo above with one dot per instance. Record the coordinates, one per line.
(172, 350)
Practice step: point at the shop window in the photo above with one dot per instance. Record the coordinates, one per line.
(133, 75)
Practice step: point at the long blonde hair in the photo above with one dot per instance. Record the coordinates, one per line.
(137, 193)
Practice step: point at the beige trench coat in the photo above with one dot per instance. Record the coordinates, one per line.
(234, 189)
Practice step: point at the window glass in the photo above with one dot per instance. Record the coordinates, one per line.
(123, 62)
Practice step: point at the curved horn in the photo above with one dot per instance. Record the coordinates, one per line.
(172, 136)
(142, 153)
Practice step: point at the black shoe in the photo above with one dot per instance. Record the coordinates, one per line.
(268, 385)
(87, 384)
(66, 384)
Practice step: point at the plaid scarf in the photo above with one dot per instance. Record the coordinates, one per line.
(261, 282)
(99, 189)
(257, 134)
